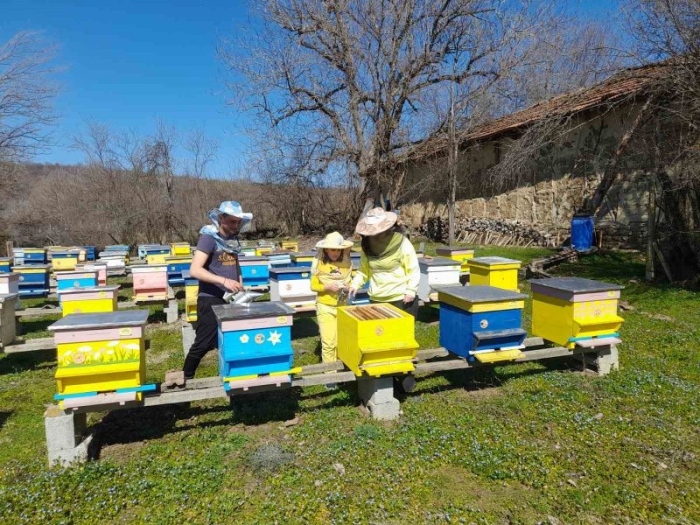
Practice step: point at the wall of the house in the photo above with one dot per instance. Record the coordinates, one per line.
(545, 194)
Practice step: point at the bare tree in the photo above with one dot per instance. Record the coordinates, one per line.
(354, 81)
(27, 92)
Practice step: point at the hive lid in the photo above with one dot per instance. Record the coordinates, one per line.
(91, 289)
(148, 267)
(437, 261)
(298, 269)
(31, 267)
(251, 258)
(101, 320)
(232, 312)
(573, 285)
(440, 250)
(489, 261)
(478, 294)
(303, 254)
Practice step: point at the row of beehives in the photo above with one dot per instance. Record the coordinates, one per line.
(100, 356)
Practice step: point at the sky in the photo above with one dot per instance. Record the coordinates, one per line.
(129, 63)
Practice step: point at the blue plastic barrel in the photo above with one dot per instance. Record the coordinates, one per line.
(581, 233)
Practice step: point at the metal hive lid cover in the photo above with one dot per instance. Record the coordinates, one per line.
(437, 261)
(91, 289)
(449, 249)
(493, 260)
(479, 294)
(232, 312)
(575, 284)
(299, 269)
(101, 320)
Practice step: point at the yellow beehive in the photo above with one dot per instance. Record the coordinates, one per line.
(88, 300)
(157, 258)
(498, 272)
(292, 246)
(180, 249)
(100, 352)
(459, 254)
(376, 339)
(262, 250)
(571, 310)
(191, 292)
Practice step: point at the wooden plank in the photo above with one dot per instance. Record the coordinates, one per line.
(30, 345)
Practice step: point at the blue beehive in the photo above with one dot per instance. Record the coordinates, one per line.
(255, 271)
(33, 256)
(254, 339)
(176, 267)
(33, 280)
(5, 265)
(90, 253)
(481, 323)
(76, 279)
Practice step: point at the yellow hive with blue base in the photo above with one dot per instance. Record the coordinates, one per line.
(494, 271)
(100, 353)
(571, 311)
(457, 253)
(376, 339)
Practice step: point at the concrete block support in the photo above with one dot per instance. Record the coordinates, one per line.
(171, 311)
(607, 360)
(188, 335)
(64, 436)
(377, 394)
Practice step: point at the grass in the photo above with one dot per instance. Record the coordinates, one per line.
(527, 443)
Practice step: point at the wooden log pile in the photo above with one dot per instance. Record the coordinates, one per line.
(483, 231)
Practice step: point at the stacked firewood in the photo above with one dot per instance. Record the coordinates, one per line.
(479, 230)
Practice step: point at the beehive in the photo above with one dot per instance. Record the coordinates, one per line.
(177, 265)
(303, 258)
(99, 267)
(255, 271)
(376, 339)
(261, 251)
(254, 339)
(292, 246)
(457, 253)
(494, 271)
(436, 272)
(33, 280)
(572, 311)
(279, 259)
(5, 265)
(89, 253)
(8, 326)
(101, 352)
(76, 279)
(33, 256)
(64, 260)
(180, 249)
(191, 293)
(481, 323)
(150, 282)
(98, 299)
(292, 286)
(157, 254)
(9, 283)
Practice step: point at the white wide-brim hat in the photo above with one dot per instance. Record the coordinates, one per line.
(234, 208)
(376, 220)
(333, 241)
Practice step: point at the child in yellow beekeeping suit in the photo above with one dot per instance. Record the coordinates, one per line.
(330, 277)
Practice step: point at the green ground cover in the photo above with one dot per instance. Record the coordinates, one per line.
(522, 443)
